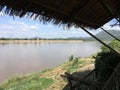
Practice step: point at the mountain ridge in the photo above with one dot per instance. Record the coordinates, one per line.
(104, 36)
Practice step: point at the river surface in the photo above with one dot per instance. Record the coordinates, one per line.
(33, 57)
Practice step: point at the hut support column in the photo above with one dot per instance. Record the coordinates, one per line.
(114, 51)
(110, 34)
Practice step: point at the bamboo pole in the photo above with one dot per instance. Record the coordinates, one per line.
(114, 51)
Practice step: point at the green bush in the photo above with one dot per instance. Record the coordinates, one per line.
(114, 44)
(106, 61)
(71, 58)
(75, 61)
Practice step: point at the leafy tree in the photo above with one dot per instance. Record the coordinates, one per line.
(106, 61)
(114, 44)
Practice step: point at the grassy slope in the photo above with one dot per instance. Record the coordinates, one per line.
(48, 79)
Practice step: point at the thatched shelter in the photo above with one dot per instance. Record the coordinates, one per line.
(79, 13)
(90, 13)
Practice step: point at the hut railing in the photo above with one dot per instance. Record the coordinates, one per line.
(114, 81)
(74, 82)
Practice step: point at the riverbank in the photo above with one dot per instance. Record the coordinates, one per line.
(48, 79)
(37, 41)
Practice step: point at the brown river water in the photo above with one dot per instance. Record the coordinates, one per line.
(17, 59)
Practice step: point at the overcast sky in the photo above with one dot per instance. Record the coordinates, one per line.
(26, 28)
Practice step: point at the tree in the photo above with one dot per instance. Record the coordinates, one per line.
(106, 61)
(114, 44)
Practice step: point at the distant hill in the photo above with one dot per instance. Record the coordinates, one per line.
(104, 36)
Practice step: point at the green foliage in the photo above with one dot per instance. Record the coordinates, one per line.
(71, 58)
(32, 82)
(1, 88)
(74, 64)
(45, 70)
(106, 61)
(105, 49)
(75, 61)
(114, 44)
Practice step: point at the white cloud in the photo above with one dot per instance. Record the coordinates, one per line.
(1, 13)
(107, 26)
(4, 27)
(15, 25)
(28, 28)
(19, 29)
(33, 27)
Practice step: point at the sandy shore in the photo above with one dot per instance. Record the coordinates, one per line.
(37, 41)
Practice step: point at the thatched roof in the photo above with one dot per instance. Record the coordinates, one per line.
(90, 13)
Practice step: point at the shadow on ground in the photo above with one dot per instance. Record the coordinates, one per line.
(81, 85)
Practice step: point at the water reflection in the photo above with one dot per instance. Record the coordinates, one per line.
(33, 57)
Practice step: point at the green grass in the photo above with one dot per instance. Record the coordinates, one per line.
(48, 78)
(74, 64)
(46, 70)
(32, 82)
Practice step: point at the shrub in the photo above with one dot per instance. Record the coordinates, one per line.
(71, 58)
(114, 44)
(106, 61)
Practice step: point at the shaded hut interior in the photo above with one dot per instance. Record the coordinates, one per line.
(79, 13)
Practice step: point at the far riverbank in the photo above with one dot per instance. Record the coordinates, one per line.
(37, 41)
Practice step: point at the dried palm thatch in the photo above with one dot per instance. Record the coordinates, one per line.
(89, 13)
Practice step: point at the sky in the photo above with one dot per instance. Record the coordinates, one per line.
(15, 27)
